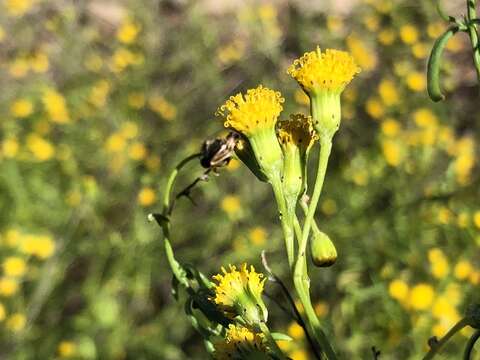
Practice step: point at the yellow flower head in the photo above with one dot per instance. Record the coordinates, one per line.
(297, 131)
(331, 70)
(239, 292)
(252, 112)
(239, 343)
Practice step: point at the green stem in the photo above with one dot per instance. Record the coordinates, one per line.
(472, 31)
(286, 219)
(273, 344)
(435, 348)
(301, 280)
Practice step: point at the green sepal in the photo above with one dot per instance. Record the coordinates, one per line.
(434, 63)
(277, 336)
(247, 156)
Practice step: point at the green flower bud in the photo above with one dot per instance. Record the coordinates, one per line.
(323, 250)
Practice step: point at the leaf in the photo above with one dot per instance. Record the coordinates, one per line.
(281, 337)
(434, 63)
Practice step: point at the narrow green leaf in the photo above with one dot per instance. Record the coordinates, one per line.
(434, 63)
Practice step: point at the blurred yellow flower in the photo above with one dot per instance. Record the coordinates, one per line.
(387, 36)
(16, 322)
(93, 62)
(99, 93)
(328, 207)
(146, 196)
(10, 147)
(136, 100)
(12, 237)
(41, 246)
(363, 56)
(66, 349)
(409, 34)
(299, 355)
(374, 108)
(398, 290)
(435, 29)
(463, 219)
(321, 309)
(152, 162)
(476, 218)
(115, 143)
(19, 68)
(425, 118)
(8, 286)
(295, 331)
(41, 149)
(39, 62)
(162, 107)
(444, 215)
(56, 106)
(334, 23)
(393, 152)
(390, 127)
(388, 92)
(14, 266)
(438, 263)
(21, 108)
(128, 32)
(2, 34)
(443, 308)
(372, 22)
(129, 130)
(18, 7)
(463, 269)
(3, 313)
(420, 50)
(231, 53)
(421, 296)
(258, 235)
(137, 151)
(231, 204)
(416, 81)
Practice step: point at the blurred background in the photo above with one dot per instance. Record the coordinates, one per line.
(100, 99)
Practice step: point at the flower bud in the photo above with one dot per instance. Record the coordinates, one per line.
(322, 250)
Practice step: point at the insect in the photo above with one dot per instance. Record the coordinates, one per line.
(218, 152)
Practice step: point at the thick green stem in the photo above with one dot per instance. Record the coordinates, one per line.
(435, 348)
(286, 219)
(301, 279)
(472, 31)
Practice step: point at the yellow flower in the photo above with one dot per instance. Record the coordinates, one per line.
(18, 68)
(398, 290)
(393, 153)
(137, 151)
(16, 322)
(18, 7)
(390, 127)
(66, 349)
(463, 220)
(295, 331)
(162, 107)
(252, 112)
(10, 147)
(239, 292)
(409, 34)
(8, 286)
(136, 100)
(146, 196)
(421, 296)
(476, 218)
(21, 108)
(240, 343)
(318, 71)
(128, 32)
(387, 36)
(388, 92)
(438, 263)
(258, 235)
(3, 313)
(99, 93)
(364, 56)
(41, 149)
(299, 355)
(463, 269)
(420, 50)
(41, 246)
(374, 108)
(231, 204)
(115, 143)
(56, 106)
(39, 62)
(443, 308)
(416, 81)
(129, 130)
(425, 118)
(14, 266)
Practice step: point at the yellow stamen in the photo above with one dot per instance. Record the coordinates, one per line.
(297, 131)
(254, 111)
(317, 71)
